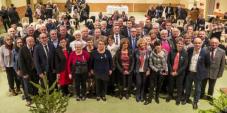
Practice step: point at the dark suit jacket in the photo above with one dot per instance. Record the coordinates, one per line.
(171, 11)
(106, 32)
(130, 42)
(26, 61)
(202, 64)
(124, 32)
(60, 59)
(217, 65)
(42, 63)
(183, 61)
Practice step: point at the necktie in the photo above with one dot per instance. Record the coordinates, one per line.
(133, 43)
(176, 62)
(46, 50)
(31, 51)
(212, 54)
(116, 39)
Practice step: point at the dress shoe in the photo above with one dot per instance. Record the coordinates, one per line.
(177, 102)
(168, 98)
(157, 100)
(83, 98)
(121, 97)
(18, 91)
(103, 98)
(194, 105)
(147, 102)
(77, 98)
(98, 98)
(137, 99)
(127, 96)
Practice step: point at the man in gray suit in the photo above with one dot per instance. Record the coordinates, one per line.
(216, 68)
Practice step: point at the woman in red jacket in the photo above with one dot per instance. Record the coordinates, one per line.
(61, 58)
(78, 69)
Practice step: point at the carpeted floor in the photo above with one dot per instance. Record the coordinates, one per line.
(112, 105)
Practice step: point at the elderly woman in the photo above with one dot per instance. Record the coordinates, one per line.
(177, 63)
(141, 68)
(78, 38)
(16, 67)
(159, 69)
(6, 62)
(124, 60)
(78, 69)
(61, 59)
(101, 67)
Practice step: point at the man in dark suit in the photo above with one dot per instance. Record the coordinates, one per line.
(169, 11)
(44, 59)
(126, 30)
(104, 30)
(181, 13)
(133, 39)
(26, 63)
(216, 67)
(116, 35)
(54, 38)
(4, 17)
(205, 40)
(197, 71)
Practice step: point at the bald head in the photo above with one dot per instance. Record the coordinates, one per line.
(214, 42)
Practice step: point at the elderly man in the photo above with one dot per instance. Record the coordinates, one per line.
(216, 67)
(44, 59)
(85, 35)
(26, 63)
(197, 71)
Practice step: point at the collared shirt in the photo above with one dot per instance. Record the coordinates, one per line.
(55, 42)
(194, 60)
(117, 39)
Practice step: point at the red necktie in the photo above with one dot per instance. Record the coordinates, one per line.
(176, 62)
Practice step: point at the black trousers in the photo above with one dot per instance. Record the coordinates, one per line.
(80, 84)
(140, 85)
(64, 89)
(12, 78)
(156, 80)
(30, 89)
(6, 24)
(178, 81)
(125, 83)
(212, 83)
(101, 87)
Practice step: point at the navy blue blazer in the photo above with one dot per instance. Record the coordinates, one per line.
(42, 63)
(202, 64)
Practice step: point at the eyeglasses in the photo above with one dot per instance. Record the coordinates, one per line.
(19, 42)
(9, 39)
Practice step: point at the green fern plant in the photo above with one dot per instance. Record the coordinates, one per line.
(219, 104)
(46, 102)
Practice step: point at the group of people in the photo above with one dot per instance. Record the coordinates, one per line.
(144, 59)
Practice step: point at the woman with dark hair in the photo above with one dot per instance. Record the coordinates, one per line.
(61, 59)
(6, 62)
(141, 68)
(124, 60)
(18, 45)
(78, 69)
(101, 67)
(159, 69)
(177, 63)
